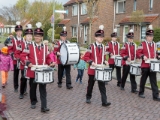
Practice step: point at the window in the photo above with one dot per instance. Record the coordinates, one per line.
(74, 31)
(143, 33)
(150, 4)
(118, 31)
(121, 6)
(74, 10)
(125, 31)
(83, 9)
(135, 5)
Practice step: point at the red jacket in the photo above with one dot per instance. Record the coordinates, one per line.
(142, 51)
(19, 50)
(90, 57)
(110, 50)
(12, 47)
(57, 49)
(125, 52)
(29, 52)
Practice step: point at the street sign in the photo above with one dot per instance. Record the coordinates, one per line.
(61, 11)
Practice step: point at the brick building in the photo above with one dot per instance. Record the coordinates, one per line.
(112, 14)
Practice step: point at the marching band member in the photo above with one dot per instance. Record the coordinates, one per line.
(37, 58)
(128, 53)
(113, 49)
(61, 67)
(98, 49)
(14, 43)
(147, 50)
(28, 34)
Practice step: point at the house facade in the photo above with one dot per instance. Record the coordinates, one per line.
(112, 14)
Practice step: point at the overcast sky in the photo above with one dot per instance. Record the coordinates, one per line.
(12, 2)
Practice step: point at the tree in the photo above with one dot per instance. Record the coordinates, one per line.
(137, 17)
(92, 12)
(22, 6)
(156, 34)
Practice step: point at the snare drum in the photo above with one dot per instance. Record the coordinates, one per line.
(70, 54)
(44, 75)
(135, 69)
(155, 66)
(103, 74)
(118, 61)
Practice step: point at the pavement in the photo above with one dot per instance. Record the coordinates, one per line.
(67, 104)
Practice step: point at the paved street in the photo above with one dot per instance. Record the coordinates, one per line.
(70, 104)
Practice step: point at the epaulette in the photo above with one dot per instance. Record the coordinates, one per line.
(89, 49)
(26, 50)
(10, 43)
(56, 45)
(124, 46)
(19, 47)
(140, 46)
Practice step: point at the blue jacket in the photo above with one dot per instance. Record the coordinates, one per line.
(81, 65)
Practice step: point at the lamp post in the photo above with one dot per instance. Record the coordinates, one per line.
(53, 18)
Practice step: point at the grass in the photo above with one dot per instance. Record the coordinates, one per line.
(149, 85)
(2, 39)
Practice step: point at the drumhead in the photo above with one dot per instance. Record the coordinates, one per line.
(136, 65)
(64, 54)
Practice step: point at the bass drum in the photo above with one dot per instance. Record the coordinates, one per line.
(70, 53)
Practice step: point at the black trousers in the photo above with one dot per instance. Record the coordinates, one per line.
(43, 93)
(153, 80)
(23, 85)
(101, 86)
(15, 77)
(126, 69)
(68, 75)
(118, 72)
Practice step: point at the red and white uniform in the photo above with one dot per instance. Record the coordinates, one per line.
(18, 52)
(57, 49)
(128, 51)
(90, 56)
(149, 53)
(12, 47)
(112, 48)
(29, 52)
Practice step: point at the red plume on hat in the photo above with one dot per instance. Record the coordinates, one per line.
(100, 32)
(150, 30)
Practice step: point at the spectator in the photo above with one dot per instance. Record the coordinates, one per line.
(10, 37)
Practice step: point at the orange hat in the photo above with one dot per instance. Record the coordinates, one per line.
(4, 50)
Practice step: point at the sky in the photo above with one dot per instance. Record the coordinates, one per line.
(12, 2)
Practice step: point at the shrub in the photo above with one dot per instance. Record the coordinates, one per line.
(108, 39)
(156, 34)
(58, 30)
(73, 40)
(57, 36)
(137, 42)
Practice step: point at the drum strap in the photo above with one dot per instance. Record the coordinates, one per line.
(36, 54)
(95, 54)
(149, 50)
(130, 51)
(114, 49)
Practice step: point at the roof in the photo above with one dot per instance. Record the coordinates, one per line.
(64, 21)
(149, 18)
(72, 2)
(86, 21)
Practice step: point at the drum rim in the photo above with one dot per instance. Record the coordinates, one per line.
(67, 52)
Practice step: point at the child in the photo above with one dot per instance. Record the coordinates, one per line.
(6, 64)
(81, 65)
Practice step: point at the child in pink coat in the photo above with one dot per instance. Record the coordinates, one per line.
(6, 64)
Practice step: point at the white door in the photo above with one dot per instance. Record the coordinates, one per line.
(85, 28)
(125, 31)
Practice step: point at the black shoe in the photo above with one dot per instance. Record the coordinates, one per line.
(122, 88)
(33, 106)
(69, 87)
(20, 96)
(118, 85)
(25, 93)
(134, 91)
(47, 109)
(15, 90)
(106, 83)
(106, 104)
(141, 96)
(59, 85)
(156, 99)
(43, 110)
(88, 101)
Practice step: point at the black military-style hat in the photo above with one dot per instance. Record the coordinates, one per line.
(100, 32)
(38, 30)
(150, 31)
(29, 30)
(64, 32)
(114, 34)
(130, 34)
(18, 26)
